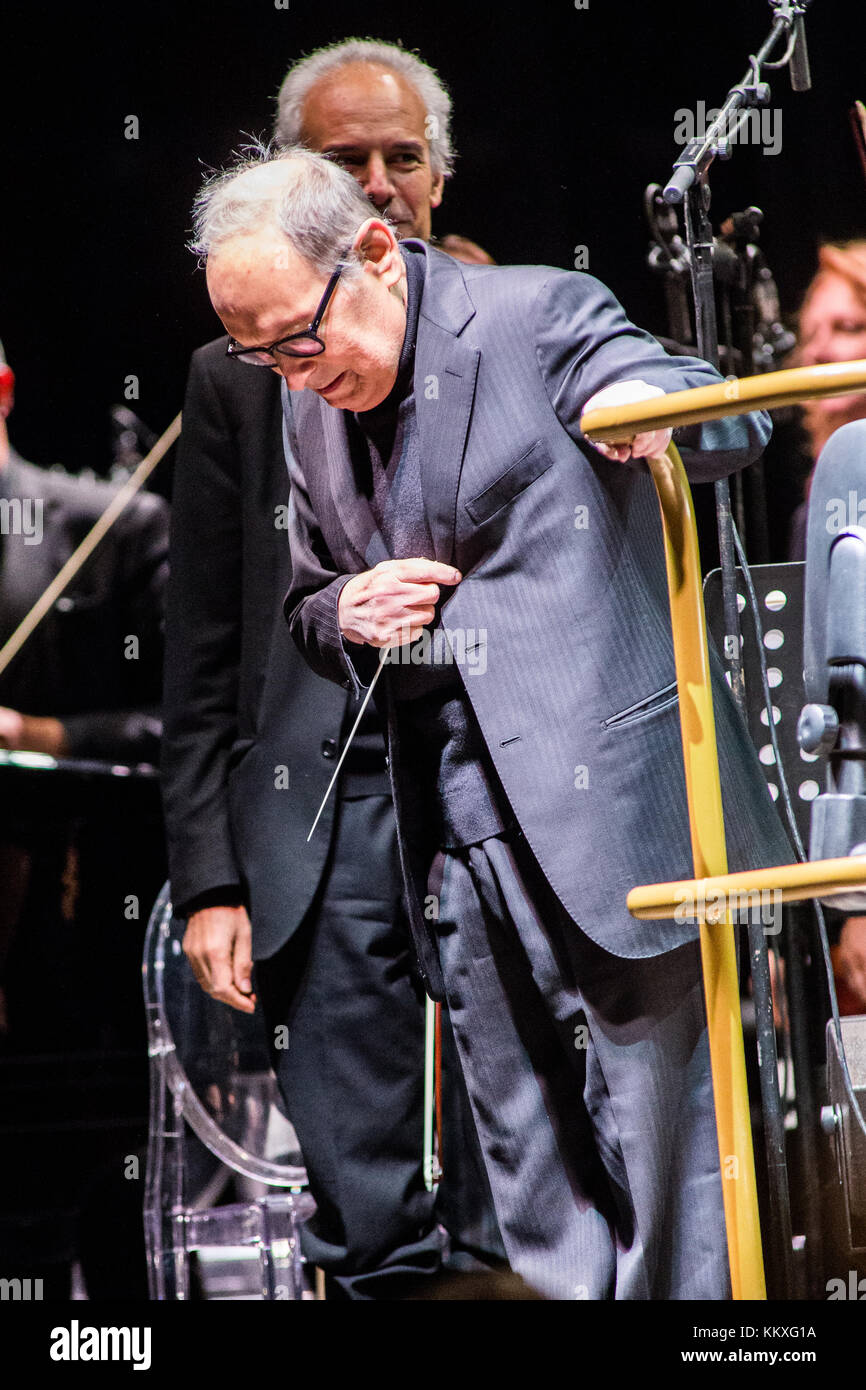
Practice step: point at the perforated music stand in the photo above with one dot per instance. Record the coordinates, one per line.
(210, 1074)
(703, 787)
(780, 592)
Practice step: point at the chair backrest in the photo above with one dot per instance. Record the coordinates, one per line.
(215, 1061)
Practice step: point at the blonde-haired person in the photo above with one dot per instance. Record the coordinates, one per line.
(832, 328)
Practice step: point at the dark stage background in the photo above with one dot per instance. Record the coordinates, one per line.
(563, 115)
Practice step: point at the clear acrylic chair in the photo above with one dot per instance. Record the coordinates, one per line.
(215, 1113)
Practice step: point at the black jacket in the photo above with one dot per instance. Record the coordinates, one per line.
(250, 733)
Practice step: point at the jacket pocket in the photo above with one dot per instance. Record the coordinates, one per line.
(653, 704)
(510, 484)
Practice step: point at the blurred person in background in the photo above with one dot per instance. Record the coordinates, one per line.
(79, 687)
(86, 683)
(832, 328)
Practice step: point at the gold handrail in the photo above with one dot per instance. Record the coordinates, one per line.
(620, 424)
(789, 883)
(707, 825)
(736, 396)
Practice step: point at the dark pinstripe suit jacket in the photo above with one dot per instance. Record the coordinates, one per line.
(577, 701)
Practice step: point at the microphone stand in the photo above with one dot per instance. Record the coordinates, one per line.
(689, 184)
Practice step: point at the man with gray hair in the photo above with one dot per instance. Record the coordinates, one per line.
(438, 474)
(251, 740)
(340, 98)
(385, 115)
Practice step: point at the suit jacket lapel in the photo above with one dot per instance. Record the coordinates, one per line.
(352, 506)
(353, 509)
(445, 374)
(446, 370)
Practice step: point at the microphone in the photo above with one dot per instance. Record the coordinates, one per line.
(801, 77)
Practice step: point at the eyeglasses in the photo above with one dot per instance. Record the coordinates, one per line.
(307, 343)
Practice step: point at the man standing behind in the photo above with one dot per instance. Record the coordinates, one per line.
(251, 742)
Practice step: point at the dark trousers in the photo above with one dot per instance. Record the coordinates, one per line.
(352, 1075)
(590, 1081)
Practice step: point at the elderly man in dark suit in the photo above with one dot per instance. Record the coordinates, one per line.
(252, 737)
(440, 482)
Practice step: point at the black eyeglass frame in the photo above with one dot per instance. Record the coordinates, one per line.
(242, 354)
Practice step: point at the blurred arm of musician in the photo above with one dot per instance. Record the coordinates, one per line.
(28, 732)
(850, 959)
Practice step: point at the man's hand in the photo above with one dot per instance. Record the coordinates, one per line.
(643, 446)
(218, 944)
(851, 957)
(391, 605)
(27, 733)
